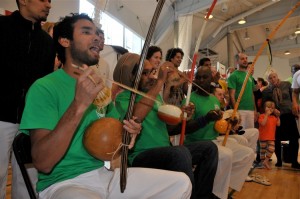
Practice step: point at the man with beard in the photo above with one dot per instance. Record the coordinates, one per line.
(153, 148)
(26, 53)
(235, 160)
(235, 81)
(59, 109)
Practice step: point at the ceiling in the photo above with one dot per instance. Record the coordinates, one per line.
(262, 17)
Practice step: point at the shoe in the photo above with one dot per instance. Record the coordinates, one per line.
(278, 164)
(261, 179)
(296, 166)
(248, 179)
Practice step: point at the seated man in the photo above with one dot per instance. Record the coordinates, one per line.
(250, 136)
(152, 148)
(58, 110)
(242, 156)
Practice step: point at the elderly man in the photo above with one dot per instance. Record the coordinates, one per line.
(280, 92)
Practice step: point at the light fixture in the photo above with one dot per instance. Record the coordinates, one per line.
(287, 52)
(242, 21)
(246, 36)
(210, 16)
(297, 30)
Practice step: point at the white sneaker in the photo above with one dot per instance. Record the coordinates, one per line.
(248, 179)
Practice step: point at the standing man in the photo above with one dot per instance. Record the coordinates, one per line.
(59, 108)
(296, 88)
(26, 54)
(235, 81)
(294, 69)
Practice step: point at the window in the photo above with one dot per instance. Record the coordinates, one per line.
(115, 33)
(87, 8)
(113, 30)
(133, 42)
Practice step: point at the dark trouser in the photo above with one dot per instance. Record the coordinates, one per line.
(287, 131)
(205, 156)
(180, 158)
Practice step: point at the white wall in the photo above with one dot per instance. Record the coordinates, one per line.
(280, 65)
(60, 8)
(9, 5)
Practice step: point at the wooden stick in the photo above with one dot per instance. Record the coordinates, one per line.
(134, 90)
(181, 74)
(121, 85)
(252, 66)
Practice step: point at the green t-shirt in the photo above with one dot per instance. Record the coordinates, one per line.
(203, 104)
(235, 81)
(289, 79)
(46, 102)
(154, 133)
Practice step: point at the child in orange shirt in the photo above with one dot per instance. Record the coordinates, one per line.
(267, 128)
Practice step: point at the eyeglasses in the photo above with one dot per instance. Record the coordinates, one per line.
(153, 71)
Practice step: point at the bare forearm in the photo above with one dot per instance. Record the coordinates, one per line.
(232, 97)
(295, 97)
(166, 93)
(48, 147)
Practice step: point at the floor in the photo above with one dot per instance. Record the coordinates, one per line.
(285, 184)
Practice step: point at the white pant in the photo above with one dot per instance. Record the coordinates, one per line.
(8, 132)
(249, 138)
(234, 164)
(103, 184)
(247, 119)
(18, 188)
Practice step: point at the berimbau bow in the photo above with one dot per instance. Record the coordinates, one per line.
(126, 136)
(195, 56)
(271, 35)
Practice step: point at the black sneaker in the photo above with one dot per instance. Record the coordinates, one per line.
(278, 164)
(296, 166)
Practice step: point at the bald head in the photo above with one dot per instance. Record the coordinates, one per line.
(203, 78)
(242, 61)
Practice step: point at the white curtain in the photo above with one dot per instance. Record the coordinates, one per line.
(185, 39)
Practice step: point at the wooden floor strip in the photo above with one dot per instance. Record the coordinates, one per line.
(285, 184)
